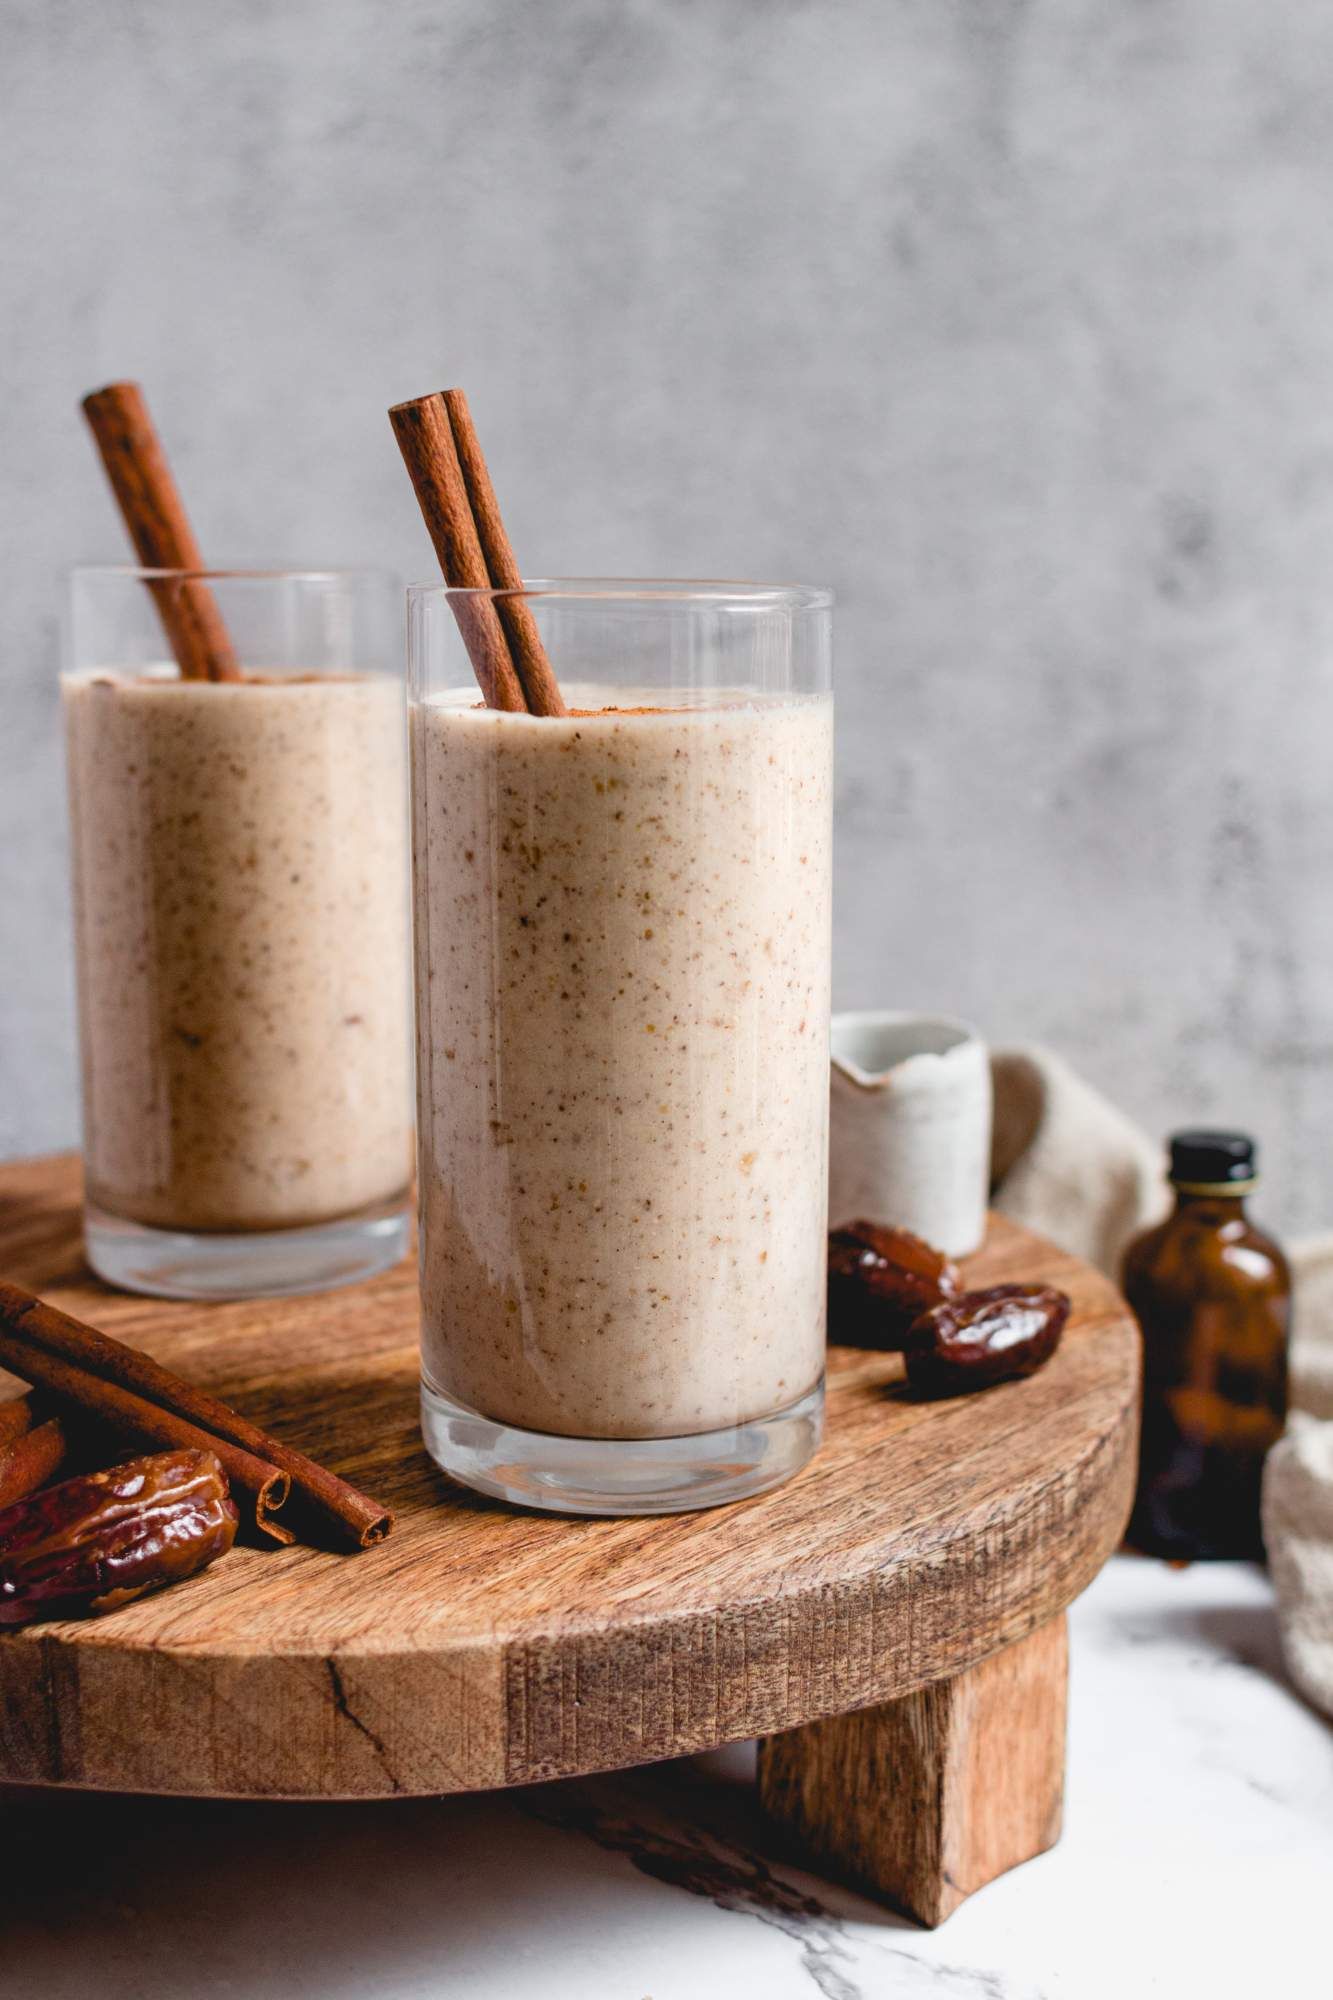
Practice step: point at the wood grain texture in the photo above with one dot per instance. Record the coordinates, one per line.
(924, 1800)
(480, 1646)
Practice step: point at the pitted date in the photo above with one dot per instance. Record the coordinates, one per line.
(880, 1281)
(98, 1541)
(978, 1338)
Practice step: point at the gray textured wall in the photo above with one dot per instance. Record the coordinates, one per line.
(1008, 318)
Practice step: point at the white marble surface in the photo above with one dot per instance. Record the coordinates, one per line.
(1197, 1859)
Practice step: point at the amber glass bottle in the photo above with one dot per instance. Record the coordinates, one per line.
(1213, 1297)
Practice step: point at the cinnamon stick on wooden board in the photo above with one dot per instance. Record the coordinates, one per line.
(18, 1415)
(160, 530)
(135, 1394)
(34, 1444)
(442, 453)
(138, 1421)
(30, 1459)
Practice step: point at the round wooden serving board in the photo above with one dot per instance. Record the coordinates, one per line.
(479, 1646)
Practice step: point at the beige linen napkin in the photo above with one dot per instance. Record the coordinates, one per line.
(1298, 1483)
(1067, 1163)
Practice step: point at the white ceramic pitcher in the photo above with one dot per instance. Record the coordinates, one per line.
(910, 1126)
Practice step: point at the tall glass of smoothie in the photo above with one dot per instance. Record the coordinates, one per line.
(622, 981)
(239, 853)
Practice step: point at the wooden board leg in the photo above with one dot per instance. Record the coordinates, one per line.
(925, 1800)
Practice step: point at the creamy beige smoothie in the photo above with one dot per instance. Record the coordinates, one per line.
(622, 929)
(239, 862)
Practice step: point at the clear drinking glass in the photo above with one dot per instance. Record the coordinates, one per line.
(622, 979)
(239, 854)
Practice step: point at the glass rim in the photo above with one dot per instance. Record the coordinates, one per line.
(717, 591)
(140, 574)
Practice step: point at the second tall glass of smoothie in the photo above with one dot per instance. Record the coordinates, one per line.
(622, 967)
(240, 896)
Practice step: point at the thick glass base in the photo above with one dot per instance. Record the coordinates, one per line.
(259, 1264)
(565, 1475)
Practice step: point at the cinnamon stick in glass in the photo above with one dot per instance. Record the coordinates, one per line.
(47, 1346)
(426, 440)
(443, 454)
(540, 688)
(160, 530)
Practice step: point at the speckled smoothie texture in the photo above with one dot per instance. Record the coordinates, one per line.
(239, 857)
(622, 935)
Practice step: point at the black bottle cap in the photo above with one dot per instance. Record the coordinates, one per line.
(1212, 1159)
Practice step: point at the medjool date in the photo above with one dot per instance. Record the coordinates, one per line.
(978, 1338)
(880, 1280)
(98, 1541)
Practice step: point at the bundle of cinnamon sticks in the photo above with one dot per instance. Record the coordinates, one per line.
(82, 1374)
